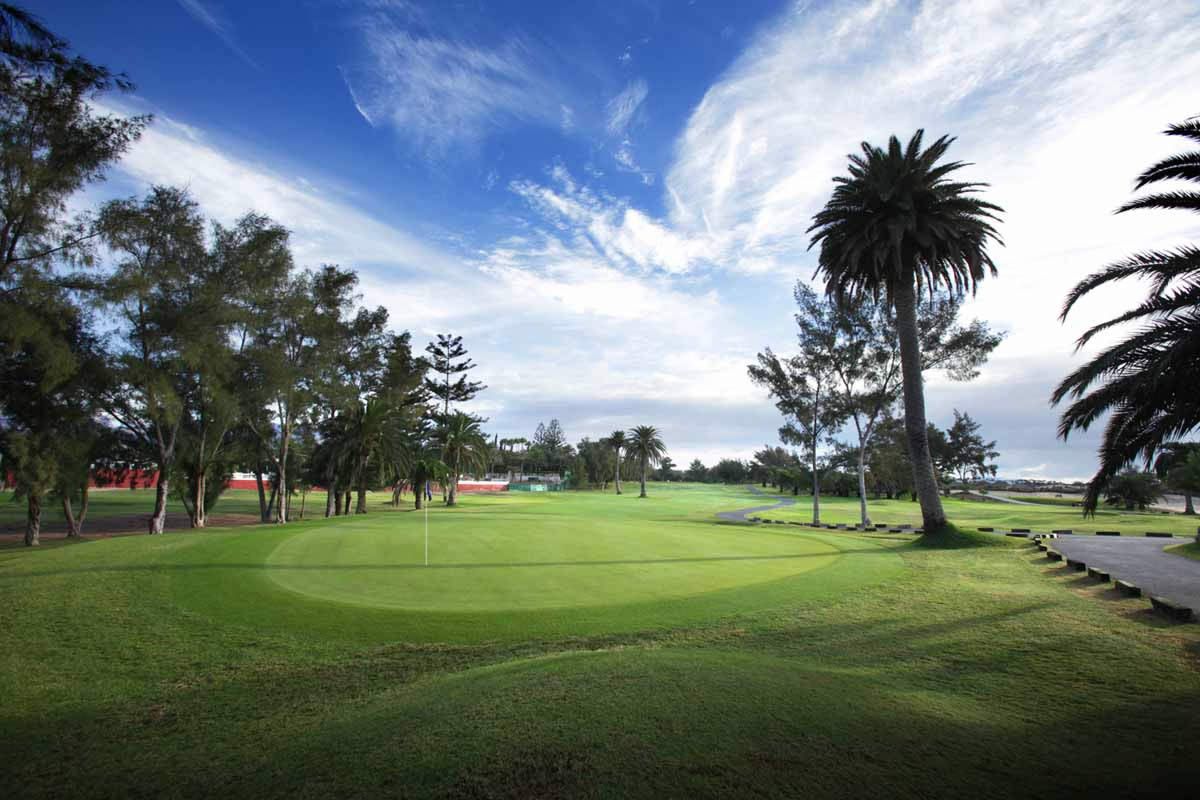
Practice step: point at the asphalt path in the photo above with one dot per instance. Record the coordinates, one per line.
(741, 514)
(1139, 560)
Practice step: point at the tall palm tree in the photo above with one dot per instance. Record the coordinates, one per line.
(897, 226)
(647, 446)
(1147, 382)
(464, 447)
(617, 442)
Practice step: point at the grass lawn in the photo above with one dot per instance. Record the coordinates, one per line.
(580, 645)
(1190, 550)
(970, 514)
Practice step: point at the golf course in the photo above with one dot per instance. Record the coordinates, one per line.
(579, 643)
(518, 400)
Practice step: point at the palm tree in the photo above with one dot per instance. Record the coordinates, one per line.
(645, 443)
(1146, 383)
(617, 442)
(424, 468)
(897, 227)
(464, 447)
(370, 437)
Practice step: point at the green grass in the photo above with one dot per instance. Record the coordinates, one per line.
(1190, 550)
(819, 664)
(972, 514)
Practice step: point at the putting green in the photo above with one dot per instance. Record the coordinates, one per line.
(556, 563)
(510, 568)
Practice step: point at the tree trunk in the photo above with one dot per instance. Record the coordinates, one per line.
(197, 516)
(924, 480)
(419, 497)
(281, 513)
(862, 486)
(643, 494)
(69, 515)
(83, 506)
(264, 510)
(33, 520)
(1188, 508)
(158, 519)
(361, 508)
(617, 473)
(816, 488)
(331, 508)
(346, 503)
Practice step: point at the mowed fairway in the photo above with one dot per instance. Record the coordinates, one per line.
(580, 645)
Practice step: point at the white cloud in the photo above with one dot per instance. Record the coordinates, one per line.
(626, 236)
(548, 315)
(227, 186)
(624, 106)
(441, 92)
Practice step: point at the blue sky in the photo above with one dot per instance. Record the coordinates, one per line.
(608, 200)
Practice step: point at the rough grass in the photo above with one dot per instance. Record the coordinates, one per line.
(176, 666)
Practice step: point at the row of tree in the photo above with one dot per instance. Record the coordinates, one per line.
(143, 335)
(960, 454)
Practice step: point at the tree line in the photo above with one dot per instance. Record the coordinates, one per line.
(960, 454)
(638, 454)
(141, 334)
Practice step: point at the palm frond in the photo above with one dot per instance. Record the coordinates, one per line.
(1161, 266)
(1185, 166)
(1188, 201)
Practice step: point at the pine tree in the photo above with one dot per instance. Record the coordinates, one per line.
(448, 363)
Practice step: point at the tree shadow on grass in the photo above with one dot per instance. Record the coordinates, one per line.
(617, 726)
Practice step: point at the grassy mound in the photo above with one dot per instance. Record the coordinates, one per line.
(178, 665)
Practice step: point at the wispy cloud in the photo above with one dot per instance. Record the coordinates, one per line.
(441, 93)
(620, 114)
(1057, 106)
(547, 297)
(215, 21)
(622, 108)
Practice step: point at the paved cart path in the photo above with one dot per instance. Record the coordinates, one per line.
(741, 514)
(1141, 561)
